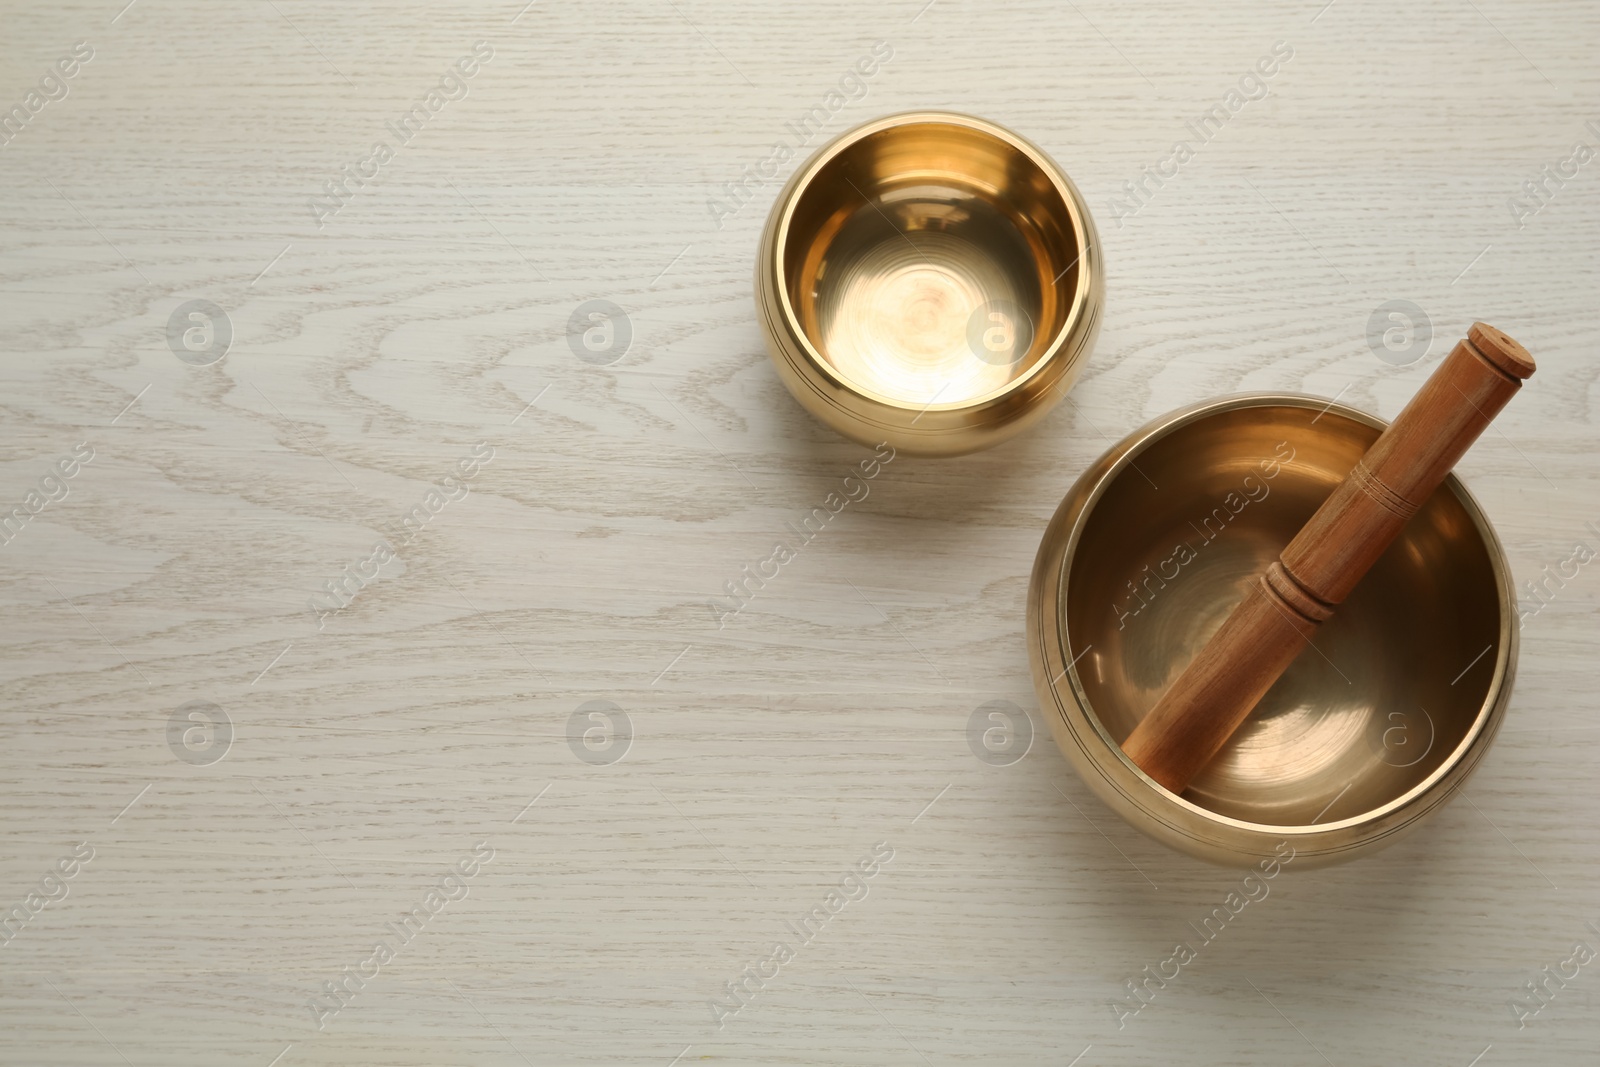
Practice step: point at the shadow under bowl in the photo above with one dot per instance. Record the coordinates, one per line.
(1368, 732)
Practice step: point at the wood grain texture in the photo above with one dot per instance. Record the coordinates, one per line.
(370, 355)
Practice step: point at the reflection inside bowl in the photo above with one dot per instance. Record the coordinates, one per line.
(931, 263)
(1393, 682)
(897, 315)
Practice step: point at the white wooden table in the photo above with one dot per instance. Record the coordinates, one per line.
(327, 771)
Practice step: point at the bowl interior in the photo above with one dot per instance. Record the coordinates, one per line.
(1394, 681)
(930, 262)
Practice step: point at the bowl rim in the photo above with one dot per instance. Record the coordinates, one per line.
(1422, 795)
(1077, 212)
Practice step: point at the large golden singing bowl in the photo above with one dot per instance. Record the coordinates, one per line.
(930, 280)
(1369, 731)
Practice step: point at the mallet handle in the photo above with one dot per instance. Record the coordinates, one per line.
(1281, 612)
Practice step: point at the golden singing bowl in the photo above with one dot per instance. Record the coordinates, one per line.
(930, 280)
(1370, 730)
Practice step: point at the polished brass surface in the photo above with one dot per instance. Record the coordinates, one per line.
(1369, 730)
(929, 279)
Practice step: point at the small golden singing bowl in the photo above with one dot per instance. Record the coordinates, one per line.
(930, 280)
(1370, 730)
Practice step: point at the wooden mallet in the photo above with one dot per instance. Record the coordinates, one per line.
(1276, 620)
